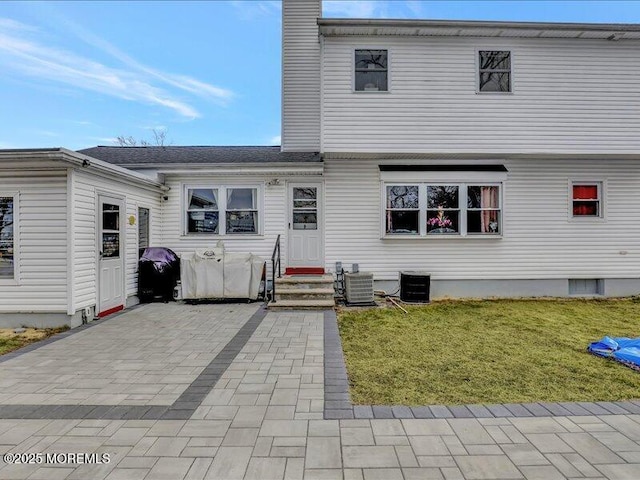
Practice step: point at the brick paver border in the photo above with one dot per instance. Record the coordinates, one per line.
(183, 408)
(337, 403)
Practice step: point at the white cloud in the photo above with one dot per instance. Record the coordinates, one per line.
(257, 9)
(416, 8)
(104, 140)
(134, 81)
(352, 9)
(276, 140)
(10, 24)
(45, 133)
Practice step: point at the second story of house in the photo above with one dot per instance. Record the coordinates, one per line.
(405, 87)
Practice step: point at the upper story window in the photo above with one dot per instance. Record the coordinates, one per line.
(587, 199)
(7, 236)
(494, 71)
(222, 209)
(371, 71)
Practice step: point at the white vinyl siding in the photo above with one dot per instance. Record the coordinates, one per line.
(301, 76)
(537, 241)
(569, 96)
(41, 233)
(86, 187)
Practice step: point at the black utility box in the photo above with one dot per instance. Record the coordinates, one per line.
(415, 287)
(158, 274)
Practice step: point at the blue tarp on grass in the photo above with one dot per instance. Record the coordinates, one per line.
(624, 350)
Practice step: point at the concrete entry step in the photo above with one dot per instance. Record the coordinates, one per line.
(304, 291)
(301, 304)
(326, 279)
(288, 293)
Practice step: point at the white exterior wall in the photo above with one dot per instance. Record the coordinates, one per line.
(85, 196)
(42, 240)
(300, 76)
(569, 95)
(273, 216)
(539, 239)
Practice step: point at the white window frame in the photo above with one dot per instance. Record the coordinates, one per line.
(222, 209)
(146, 207)
(511, 72)
(422, 204)
(15, 280)
(353, 71)
(602, 188)
(386, 209)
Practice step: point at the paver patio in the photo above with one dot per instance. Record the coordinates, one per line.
(263, 419)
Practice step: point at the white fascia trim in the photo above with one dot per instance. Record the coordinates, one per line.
(271, 169)
(84, 161)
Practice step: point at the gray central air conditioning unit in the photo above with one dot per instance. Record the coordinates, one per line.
(358, 288)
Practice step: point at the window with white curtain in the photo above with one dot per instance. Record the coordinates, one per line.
(222, 209)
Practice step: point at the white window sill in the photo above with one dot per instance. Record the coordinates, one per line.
(222, 236)
(9, 281)
(586, 219)
(441, 237)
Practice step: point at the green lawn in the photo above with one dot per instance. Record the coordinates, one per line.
(497, 351)
(10, 341)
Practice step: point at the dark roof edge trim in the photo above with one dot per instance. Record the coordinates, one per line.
(443, 168)
(414, 23)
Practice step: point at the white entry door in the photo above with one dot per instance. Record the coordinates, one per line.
(305, 225)
(110, 255)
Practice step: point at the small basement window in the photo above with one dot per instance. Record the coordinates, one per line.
(586, 286)
(494, 71)
(371, 71)
(586, 199)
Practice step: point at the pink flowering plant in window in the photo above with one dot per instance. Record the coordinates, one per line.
(441, 221)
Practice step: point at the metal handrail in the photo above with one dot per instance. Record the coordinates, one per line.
(275, 260)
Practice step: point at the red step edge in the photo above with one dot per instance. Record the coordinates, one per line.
(110, 311)
(304, 271)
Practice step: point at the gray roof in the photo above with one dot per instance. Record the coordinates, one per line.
(172, 155)
(474, 28)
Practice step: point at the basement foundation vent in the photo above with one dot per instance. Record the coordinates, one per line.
(586, 286)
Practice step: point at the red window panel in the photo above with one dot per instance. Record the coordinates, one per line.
(585, 192)
(585, 209)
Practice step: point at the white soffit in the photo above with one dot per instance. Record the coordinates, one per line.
(362, 27)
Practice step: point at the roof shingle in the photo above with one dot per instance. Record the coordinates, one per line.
(127, 156)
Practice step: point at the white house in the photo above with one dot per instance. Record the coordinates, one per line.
(70, 227)
(502, 158)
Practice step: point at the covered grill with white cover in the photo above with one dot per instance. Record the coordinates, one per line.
(212, 273)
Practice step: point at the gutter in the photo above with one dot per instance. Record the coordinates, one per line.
(365, 22)
(81, 161)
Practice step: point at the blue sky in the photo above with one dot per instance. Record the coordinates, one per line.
(78, 74)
